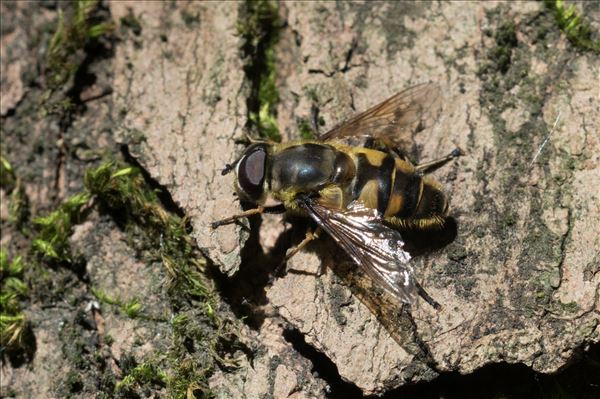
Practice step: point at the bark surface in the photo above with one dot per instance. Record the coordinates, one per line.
(519, 282)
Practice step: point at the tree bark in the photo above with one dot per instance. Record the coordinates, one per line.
(519, 284)
(519, 281)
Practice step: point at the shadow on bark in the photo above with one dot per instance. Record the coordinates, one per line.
(501, 380)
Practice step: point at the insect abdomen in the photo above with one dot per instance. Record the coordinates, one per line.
(397, 191)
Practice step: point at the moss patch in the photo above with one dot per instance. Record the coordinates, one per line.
(576, 28)
(258, 28)
(144, 374)
(53, 291)
(14, 327)
(201, 337)
(78, 26)
(18, 207)
(305, 130)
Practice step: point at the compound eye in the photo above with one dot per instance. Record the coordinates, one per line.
(251, 172)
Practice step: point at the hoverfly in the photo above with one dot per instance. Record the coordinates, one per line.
(361, 196)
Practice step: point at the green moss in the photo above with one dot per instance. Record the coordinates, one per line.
(54, 230)
(306, 131)
(73, 382)
(311, 93)
(18, 208)
(189, 381)
(578, 30)
(7, 175)
(259, 27)
(13, 323)
(123, 192)
(506, 40)
(570, 307)
(147, 373)
(266, 123)
(77, 26)
(12, 328)
(509, 218)
(108, 339)
(132, 307)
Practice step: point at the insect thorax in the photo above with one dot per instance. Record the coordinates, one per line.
(309, 168)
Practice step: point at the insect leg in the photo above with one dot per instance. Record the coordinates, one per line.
(428, 167)
(249, 212)
(310, 236)
(421, 291)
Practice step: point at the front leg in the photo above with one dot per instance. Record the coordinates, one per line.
(258, 210)
(310, 236)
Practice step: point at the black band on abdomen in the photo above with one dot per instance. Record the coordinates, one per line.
(409, 186)
(384, 182)
(382, 175)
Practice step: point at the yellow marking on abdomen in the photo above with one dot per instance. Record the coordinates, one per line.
(374, 157)
(368, 195)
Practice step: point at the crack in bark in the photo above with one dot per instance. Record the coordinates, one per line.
(347, 65)
(323, 366)
(563, 244)
(322, 72)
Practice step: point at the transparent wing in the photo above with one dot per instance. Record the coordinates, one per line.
(372, 245)
(398, 321)
(411, 110)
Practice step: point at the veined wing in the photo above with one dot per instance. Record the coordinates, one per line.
(397, 117)
(371, 244)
